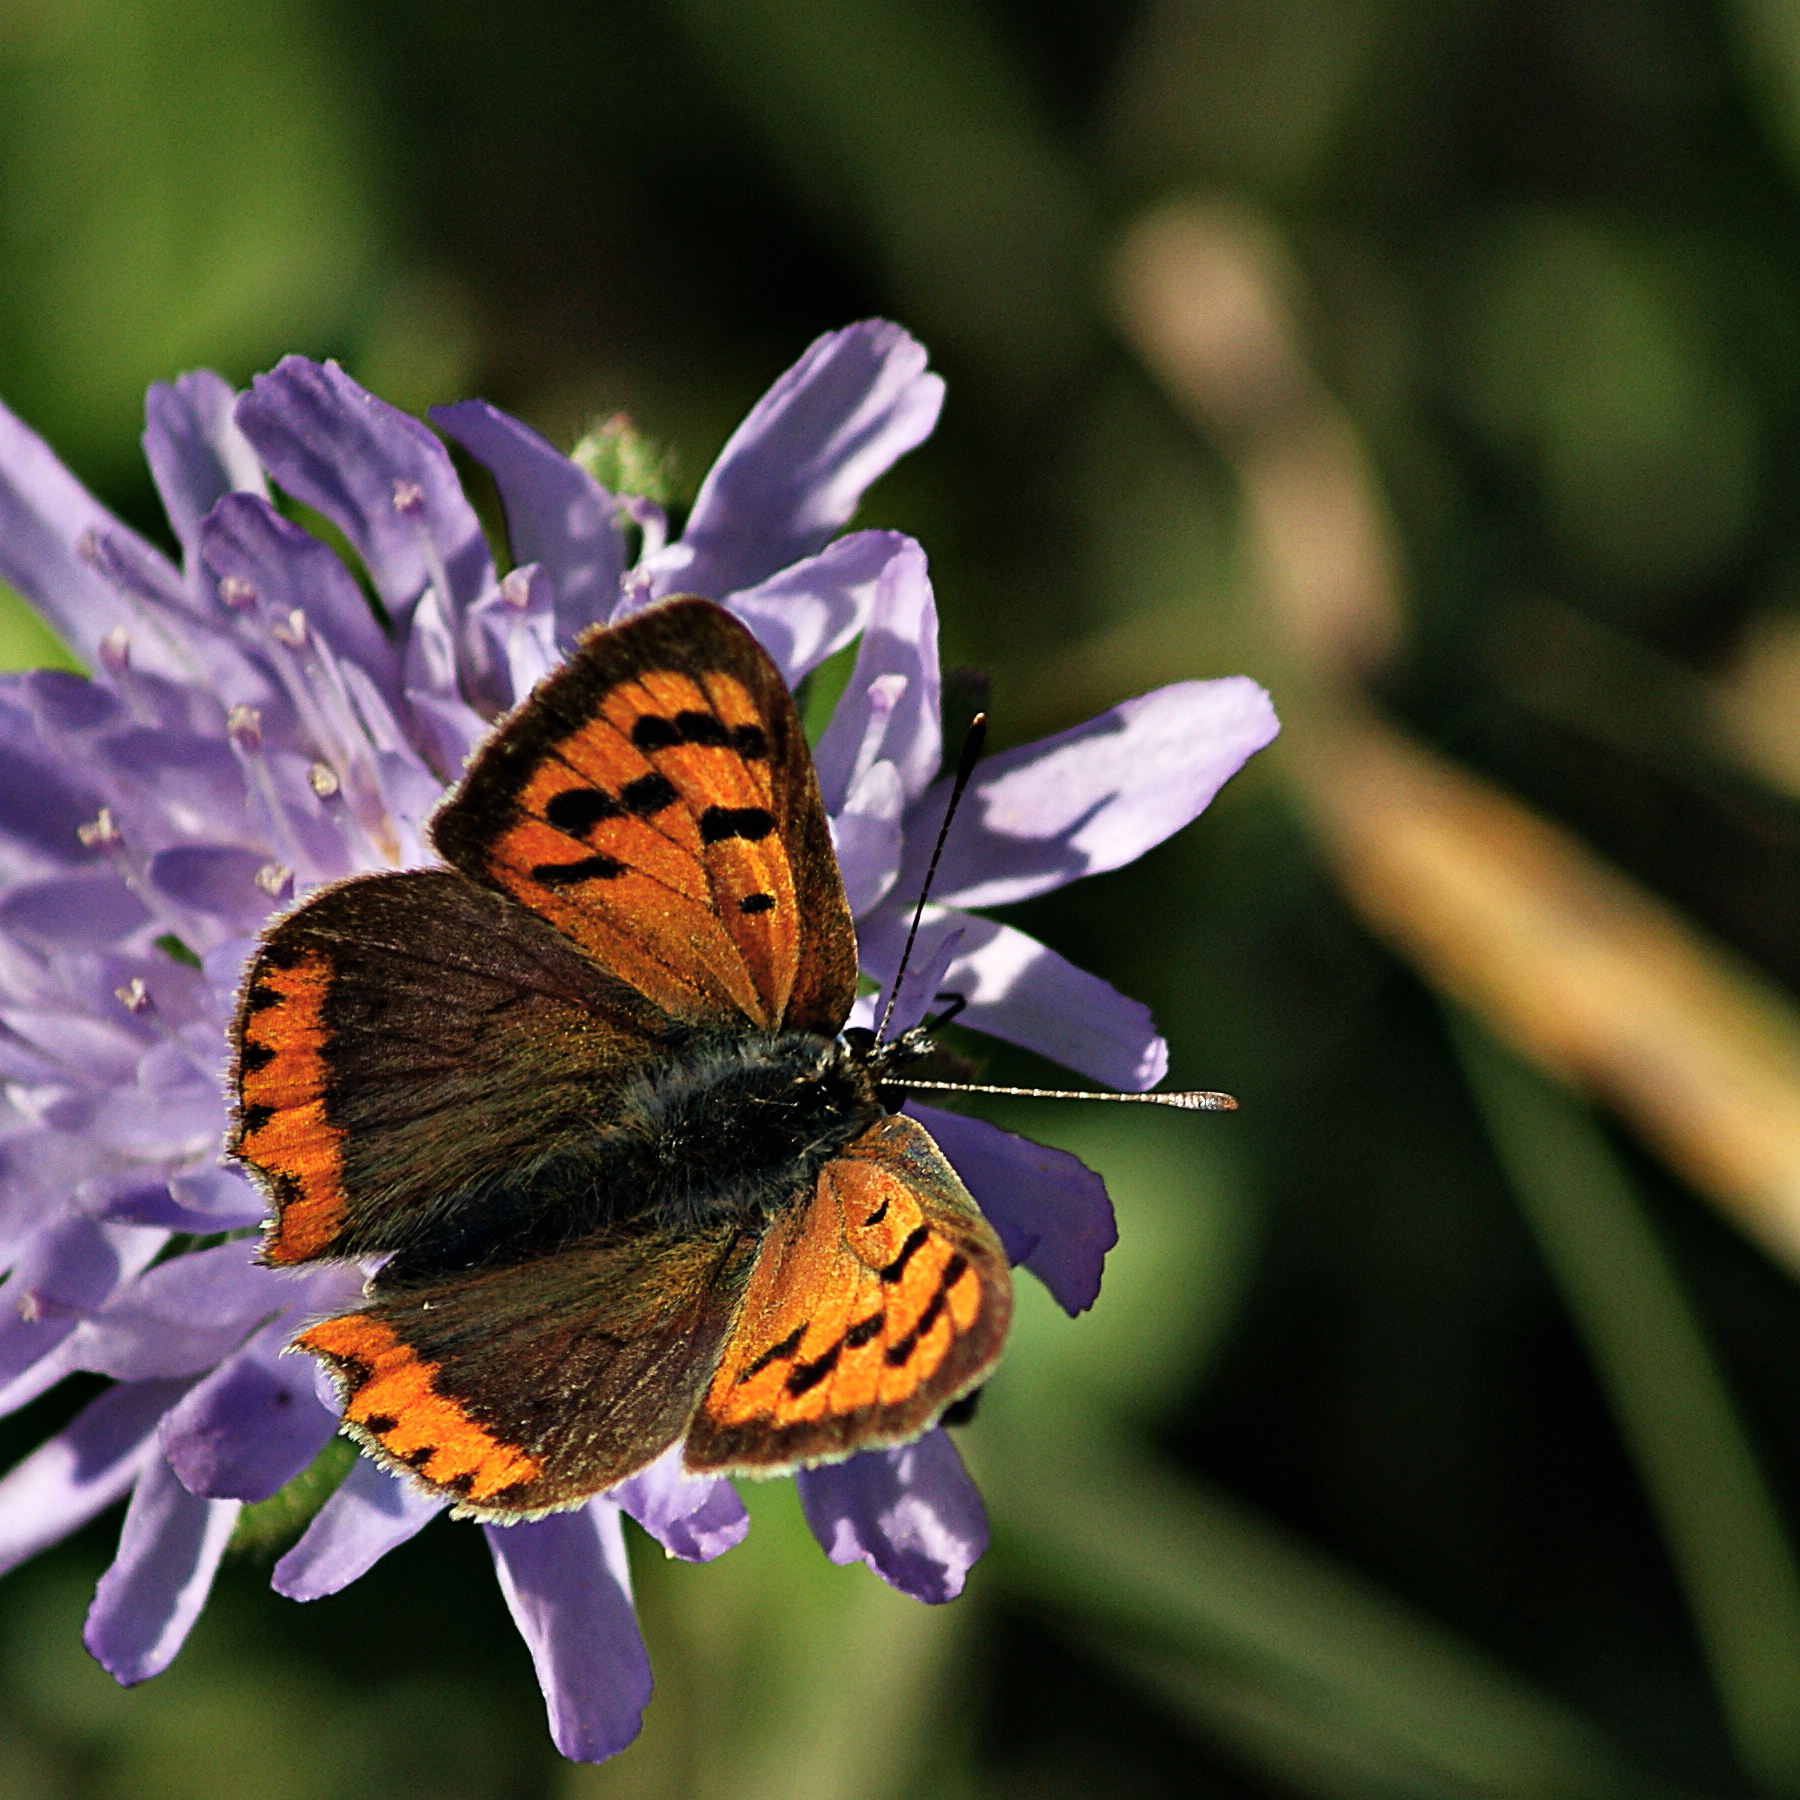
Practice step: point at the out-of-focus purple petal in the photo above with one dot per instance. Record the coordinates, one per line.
(452, 728)
(796, 469)
(379, 475)
(912, 1514)
(148, 1600)
(220, 880)
(695, 1517)
(73, 912)
(518, 618)
(252, 1425)
(47, 518)
(39, 1169)
(890, 707)
(815, 607)
(1050, 1209)
(557, 514)
(43, 801)
(1091, 798)
(569, 1588)
(196, 452)
(285, 570)
(1022, 991)
(66, 1270)
(867, 836)
(81, 1471)
(371, 1514)
(221, 1197)
(939, 943)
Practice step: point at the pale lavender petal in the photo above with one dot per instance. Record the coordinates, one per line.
(65, 1271)
(379, 475)
(148, 1600)
(1050, 1209)
(219, 880)
(1022, 991)
(815, 607)
(557, 514)
(371, 1514)
(890, 708)
(912, 1514)
(43, 799)
(283, 569)
(47, 518)
(452, 727)
(867, 836)
(939, 943)
(569, 1587)
(196, 452)
(695, 1517)
(81, 1471)
(221, 1197)
(1091, 798)
(182, 1316)
(518, 619)
(73, 912)
(39, 1170)
(251, 1426)
(793, 473)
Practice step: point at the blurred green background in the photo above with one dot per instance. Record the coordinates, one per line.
(1430, 1437)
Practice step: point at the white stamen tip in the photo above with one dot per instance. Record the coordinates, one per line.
(115, 651)
(515, 589)
(276, 880)
(324, 780)
(134, 996)
(99, 831)
(409, 497)
(291, 630)
(245, 725)
(237, 593)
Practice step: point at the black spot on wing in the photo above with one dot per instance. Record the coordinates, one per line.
(750, 742)
(774, 1353)
(590, 868)
(261, 998)
(702, 728)
(255, 1057)
(757, 903)
(648, 795)
(379, 1423)
(653, 732)
(720, 823)
(578, 810)
(914, 1243)
(806, 1376)
(900, 1351)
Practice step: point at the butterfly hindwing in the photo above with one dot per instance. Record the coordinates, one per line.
(655, 802)
(873, 1304)
(522, 1389)
(402, 1038)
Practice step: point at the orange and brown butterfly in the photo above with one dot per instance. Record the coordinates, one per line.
(588, 1095)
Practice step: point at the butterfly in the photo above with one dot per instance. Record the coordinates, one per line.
(588, 1095)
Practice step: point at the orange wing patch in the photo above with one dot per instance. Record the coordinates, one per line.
(282, 1128)
(869, 1311)
(394, 1410)
(642, 804)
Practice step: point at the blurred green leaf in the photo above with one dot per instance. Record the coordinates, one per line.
(26, 642)
(1722, 1527)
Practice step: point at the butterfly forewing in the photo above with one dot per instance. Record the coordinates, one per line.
(872, 1306)
(655, 801)
(401, 1038)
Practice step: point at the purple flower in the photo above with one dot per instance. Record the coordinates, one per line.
(251, 731)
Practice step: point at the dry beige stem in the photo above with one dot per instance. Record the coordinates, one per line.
(1596, 980)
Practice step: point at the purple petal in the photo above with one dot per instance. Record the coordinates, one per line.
(219, 880)
(251, 1426)
(379, 475)
(196, 452)
(890, 708)
(1022, 991)
(557, 514)
(569, 1587)
(793, 473)
(814, 608)
(1050, 1209)
(46, 518)
(912, 1514)
(695, 1517)
(452, 727)
(148, 1600)
(223, 1198)
(868, 839)
(1091, 798)
(518, 619)
(246, 540)
(73, 912)
(184, 1315)
(81, 1471)
(43, 801)
(66, 1271)
(371, 1514)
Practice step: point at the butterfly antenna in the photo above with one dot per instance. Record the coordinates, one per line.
(1190, 1100)
(973, 739)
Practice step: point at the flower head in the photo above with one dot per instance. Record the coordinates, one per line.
(255, 725)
